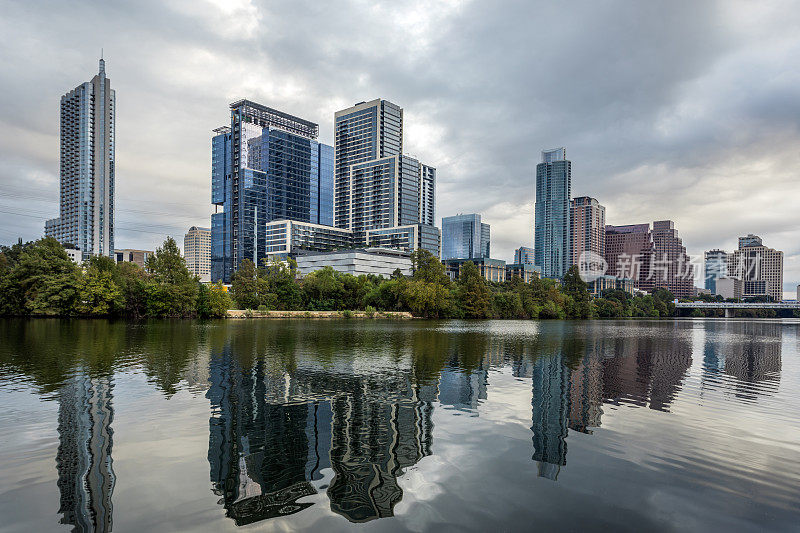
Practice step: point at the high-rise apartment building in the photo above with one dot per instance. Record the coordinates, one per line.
(266, 166)
(197, 252)
(588, 228)
(672, 268)
(759, 267)
(86, 214)
(465, 237)
(524, 255)
(715, 266)
(552, 230)
(376, 186)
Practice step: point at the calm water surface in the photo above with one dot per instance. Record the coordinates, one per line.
(382, 425)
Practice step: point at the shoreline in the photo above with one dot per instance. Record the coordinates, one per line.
(250, 313)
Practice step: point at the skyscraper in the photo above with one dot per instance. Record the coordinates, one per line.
(86, 214)
(465, 237)
(716, 266)
(197, 252)
(672, 268)
(588, 228)
(376, 186)
(552, 230)
(266, 166)
(629, 252)
(524, 255)
(759, 267)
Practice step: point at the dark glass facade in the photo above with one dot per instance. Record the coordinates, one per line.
(267, 166)
(552, 231)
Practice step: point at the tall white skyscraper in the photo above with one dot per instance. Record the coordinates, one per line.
(87, 168)
(197, 252)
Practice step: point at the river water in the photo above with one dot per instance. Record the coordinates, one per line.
(400, 425)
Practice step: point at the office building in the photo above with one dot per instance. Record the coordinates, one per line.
(490, 269)
(672, 268)
(360, 261)
(267, 165)
(588, 228)
(759, 267)
(629, 252)
(728, 288)
(407, 238)
(197, 252)
(287, 238)
(465, 237)
(376, 186)
(524, 254)
(552, 229)
(715, 266)
(527, 272)
(128, 255)
(86, 213)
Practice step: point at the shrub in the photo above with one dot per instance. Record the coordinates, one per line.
(369, 311)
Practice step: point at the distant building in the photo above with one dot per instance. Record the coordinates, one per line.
(197, 252)
(267, 165)
(604, 283)
(629, 252)
(728, 288)
(490, 269)
(524, 254)
(759, 267)
(132, 256)
(377, 261)
(552, 228)
(465, 237)
(672, 268)
(588, 228)
(86, 215)
(527, 272)
(715, 266)
(74, 254)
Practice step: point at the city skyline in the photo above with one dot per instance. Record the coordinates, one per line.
(673, 145)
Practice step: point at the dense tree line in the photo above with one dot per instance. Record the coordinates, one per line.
(430, 293)
(39, 279)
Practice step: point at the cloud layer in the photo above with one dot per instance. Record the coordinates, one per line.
(680, 110)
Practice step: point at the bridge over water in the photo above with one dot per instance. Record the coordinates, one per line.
(729, 307)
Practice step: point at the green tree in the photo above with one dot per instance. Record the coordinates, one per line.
(244, 286)
(426, 267)
(577, 291)
(281, 277)
(213, 300)
(473, 294)
(430, 300)
(131, 279)
(323, 289)
(98, 294)
(171, 289)
(45, 279)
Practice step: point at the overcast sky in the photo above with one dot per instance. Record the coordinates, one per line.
(679, 110)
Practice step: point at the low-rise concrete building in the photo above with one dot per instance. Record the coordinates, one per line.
(729, 287)
(132, 256)
(358, 261)
(74, 254)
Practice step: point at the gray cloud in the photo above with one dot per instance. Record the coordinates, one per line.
(681, 110)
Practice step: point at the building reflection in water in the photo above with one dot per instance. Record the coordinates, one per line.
(749, 352)
(285, 427)
(273, 435)
(85, 468)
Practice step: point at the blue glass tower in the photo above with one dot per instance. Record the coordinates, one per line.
(552, 231)
(266, 166)
(465, 237)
